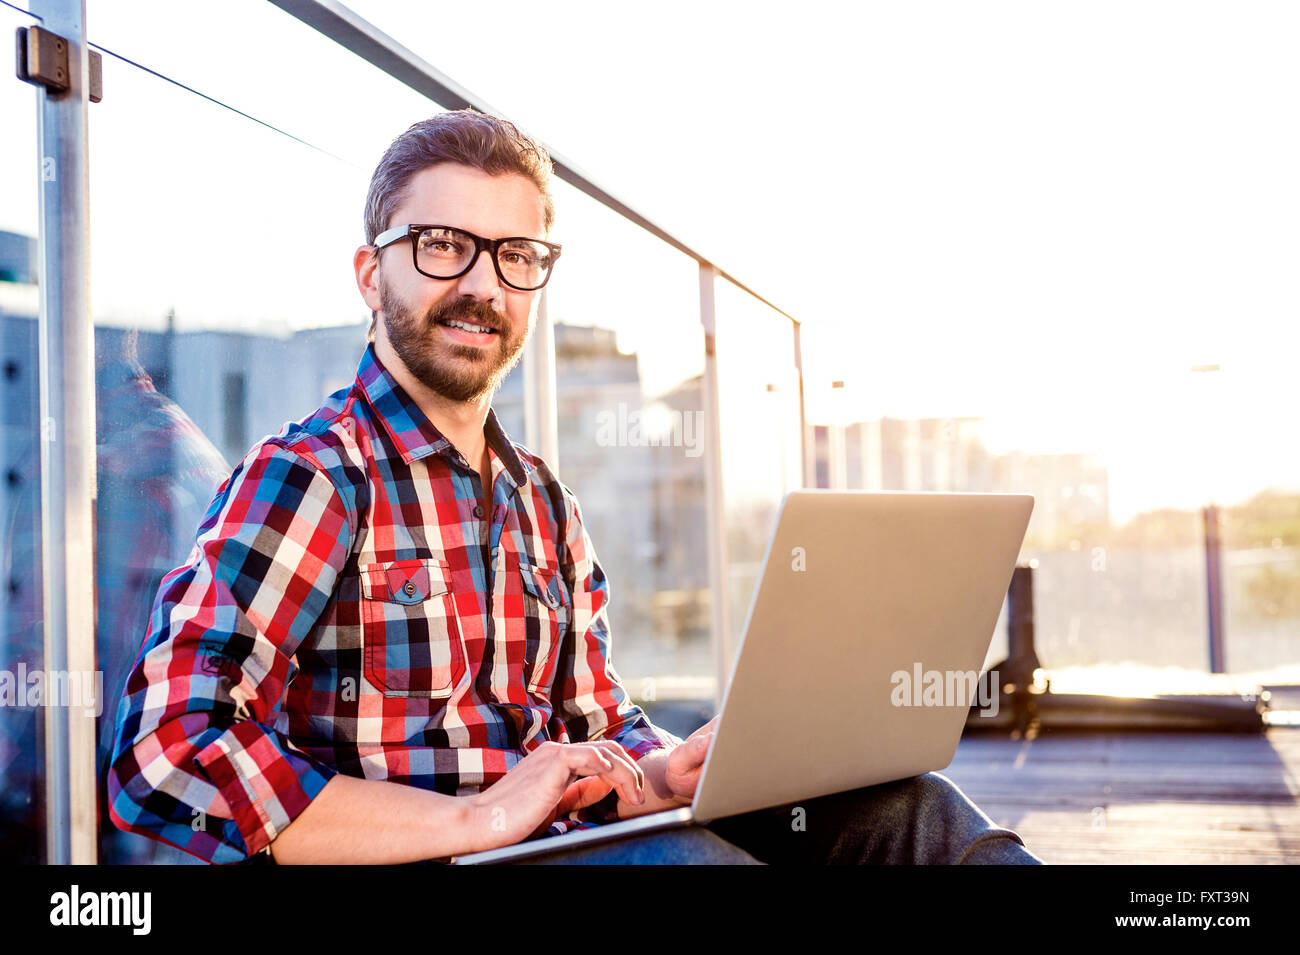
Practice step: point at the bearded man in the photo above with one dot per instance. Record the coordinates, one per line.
(390, 642)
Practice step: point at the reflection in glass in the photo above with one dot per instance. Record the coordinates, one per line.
(198, 356)
(156, 473)
(22, 756)
(758, 397)
(629, 365)
(22, 651)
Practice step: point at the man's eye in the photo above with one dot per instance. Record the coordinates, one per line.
(522, 257)
(439, 246)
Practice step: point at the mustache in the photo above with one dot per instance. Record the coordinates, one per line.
(466, 310)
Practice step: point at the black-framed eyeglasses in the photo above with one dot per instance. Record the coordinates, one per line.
(445, 252)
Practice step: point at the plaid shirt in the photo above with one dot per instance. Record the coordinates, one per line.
(349, 607)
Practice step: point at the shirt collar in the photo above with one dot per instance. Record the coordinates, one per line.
(412, 432)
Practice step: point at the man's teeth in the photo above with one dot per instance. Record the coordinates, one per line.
(467, 326)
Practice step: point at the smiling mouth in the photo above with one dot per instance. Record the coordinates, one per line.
(468, 326)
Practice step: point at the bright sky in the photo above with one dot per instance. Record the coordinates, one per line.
(1041, 212)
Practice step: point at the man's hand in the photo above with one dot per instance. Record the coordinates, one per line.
(687, 760)
(550, 781)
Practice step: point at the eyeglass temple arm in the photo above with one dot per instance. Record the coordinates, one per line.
(391, 236)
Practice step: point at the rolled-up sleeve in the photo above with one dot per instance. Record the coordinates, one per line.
(197, 762)
(591, 699)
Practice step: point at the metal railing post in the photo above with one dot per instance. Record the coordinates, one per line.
(809, 465)
(1214, 588)
(541, 427)
(67, 402)
(715, 503)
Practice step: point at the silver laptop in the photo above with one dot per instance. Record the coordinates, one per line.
(873, 615)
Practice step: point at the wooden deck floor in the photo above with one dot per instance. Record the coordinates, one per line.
(1142, 798)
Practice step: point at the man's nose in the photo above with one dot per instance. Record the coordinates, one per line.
(482, 281)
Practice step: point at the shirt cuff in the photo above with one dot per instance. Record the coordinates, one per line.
(644, 737)
(265, 783)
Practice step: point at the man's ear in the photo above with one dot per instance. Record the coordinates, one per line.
(365, 262)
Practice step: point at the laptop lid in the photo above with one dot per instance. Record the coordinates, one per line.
(864, 600)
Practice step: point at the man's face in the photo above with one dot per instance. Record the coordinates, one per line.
(415, 311)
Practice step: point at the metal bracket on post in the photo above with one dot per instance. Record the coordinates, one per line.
(41, 58)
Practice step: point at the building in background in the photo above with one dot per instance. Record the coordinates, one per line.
(1071, 491)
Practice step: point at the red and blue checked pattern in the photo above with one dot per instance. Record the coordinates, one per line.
(350, 607)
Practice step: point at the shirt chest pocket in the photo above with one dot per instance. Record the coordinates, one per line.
(546, 616)
(412, 645)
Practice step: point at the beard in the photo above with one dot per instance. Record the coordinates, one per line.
(457, 372)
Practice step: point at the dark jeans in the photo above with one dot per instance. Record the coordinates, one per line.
(924, 820)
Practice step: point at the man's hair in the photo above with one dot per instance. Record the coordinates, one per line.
(465, 136)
